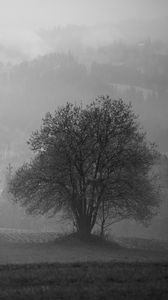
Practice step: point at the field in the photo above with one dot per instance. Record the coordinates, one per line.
(92, 281)
(47, 247)
(46, 266)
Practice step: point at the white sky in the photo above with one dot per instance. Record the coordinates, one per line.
(47, 13)
(20, 18)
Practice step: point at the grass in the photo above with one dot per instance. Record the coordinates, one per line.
(28, 249)
(25, 236)
(84, 281)
(46, 266)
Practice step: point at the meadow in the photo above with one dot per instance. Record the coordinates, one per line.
(47, 266)
(112, 280)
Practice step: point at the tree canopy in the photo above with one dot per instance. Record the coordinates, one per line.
(92, 162)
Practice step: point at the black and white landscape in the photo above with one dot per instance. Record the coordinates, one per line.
(84, 198)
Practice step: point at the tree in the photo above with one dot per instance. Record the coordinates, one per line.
(89, 162)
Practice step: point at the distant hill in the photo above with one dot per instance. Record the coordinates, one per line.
(18, 46)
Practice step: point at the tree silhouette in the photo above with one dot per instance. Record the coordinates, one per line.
(90, 162)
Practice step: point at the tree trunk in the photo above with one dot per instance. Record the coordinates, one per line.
(102, 229)
(84, 227)
(103, 221)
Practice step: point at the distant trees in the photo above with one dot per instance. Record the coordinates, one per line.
(91, 162)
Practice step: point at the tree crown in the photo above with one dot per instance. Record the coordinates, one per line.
(89, 159)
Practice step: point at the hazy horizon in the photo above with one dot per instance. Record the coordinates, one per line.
(20, 21)
(34, 14)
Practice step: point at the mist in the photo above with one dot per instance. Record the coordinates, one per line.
(82, 24)
(57, 51)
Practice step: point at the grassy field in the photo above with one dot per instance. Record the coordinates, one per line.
(92, 281)
(69, 249)
(45, 266)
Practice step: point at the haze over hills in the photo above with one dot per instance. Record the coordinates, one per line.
(136, 72)
(42, 69)
(19, 44)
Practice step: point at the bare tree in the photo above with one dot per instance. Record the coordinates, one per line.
(89, 161)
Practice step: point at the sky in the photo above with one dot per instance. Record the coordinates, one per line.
(47, 13)
(20, 19)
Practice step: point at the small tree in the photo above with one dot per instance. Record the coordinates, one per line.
(89, 162)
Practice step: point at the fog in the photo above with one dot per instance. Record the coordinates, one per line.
(56, 51)
(20, 21)
(49, 13)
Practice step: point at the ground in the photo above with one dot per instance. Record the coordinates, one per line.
(91, 281)
(27, 247)
(43, 266)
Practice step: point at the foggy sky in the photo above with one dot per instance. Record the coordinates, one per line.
(48, 13)
(20, 19)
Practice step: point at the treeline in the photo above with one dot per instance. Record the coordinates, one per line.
(143, 64)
